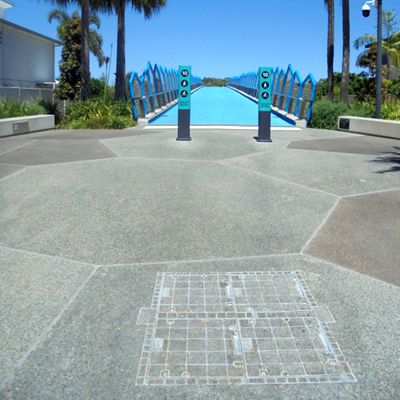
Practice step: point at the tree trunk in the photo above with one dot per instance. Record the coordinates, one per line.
(345, 83)
(331, 38)
(120, 93)
(85, 69)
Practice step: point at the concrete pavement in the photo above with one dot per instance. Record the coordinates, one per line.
(88, 219)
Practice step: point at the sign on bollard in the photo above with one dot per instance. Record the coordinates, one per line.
(264, 105)
(184, 103)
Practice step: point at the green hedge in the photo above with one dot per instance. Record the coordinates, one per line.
(325, 113)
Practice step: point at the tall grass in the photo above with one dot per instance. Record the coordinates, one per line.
(12, 108)
(98, 114)
(391, 110)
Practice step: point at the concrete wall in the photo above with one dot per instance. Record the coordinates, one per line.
(25, 57)
(15, 126)
(370, 126)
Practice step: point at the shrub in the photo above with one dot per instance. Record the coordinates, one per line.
(51, 107)
(391, 110)
(362, 109)
(395, 89)
(97, 87)
(95, 114)
(325, 114)
(33, 108)
(10, 108)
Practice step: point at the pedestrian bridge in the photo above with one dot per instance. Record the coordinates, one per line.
(154, 97)
(218, 106)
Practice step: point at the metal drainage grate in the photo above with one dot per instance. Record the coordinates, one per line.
(237, 329)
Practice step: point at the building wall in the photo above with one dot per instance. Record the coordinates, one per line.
(25, 59)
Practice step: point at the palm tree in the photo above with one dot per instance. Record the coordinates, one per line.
(74, 38)
(390, 45)
(149, 8)
(85, 5)
(345, 83)
(95, 38)
(330, 5)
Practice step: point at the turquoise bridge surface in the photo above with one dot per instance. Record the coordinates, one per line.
(218, 106)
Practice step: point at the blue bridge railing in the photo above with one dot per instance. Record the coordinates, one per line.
(155, 88)
(289, 93)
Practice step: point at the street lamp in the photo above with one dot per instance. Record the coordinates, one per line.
(366, 11)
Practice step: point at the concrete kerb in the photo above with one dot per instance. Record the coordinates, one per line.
(370, 126)
(18, 125)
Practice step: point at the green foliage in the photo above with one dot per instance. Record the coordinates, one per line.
(96, 114)
(355, 81)
(69, 31)
(325, 113)
(70, 63)
(395, 89)
(33, 108)
(215, 82)
(97, 87)
(362, 86)
(365, 89)
(51, 107)
(12, 108)
(391, 110)
(390, 45)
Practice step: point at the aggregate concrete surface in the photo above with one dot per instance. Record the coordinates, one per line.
(88, 218)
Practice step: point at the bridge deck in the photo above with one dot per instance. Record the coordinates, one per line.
(218, 106)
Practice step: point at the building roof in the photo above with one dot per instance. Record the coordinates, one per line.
(6, 4)
(33, 33)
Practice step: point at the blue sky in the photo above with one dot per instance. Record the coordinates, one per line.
(220, 38)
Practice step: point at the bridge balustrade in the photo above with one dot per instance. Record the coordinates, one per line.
(155, 88)
(289, 93)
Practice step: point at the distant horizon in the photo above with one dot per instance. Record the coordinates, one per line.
(218, 39)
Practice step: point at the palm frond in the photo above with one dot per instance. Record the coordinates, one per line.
(148, 7)
(95, 45)
(366, 39)
(59, 15)
(393, 54)
(94, 19)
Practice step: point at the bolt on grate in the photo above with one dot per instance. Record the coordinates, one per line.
(237, 328)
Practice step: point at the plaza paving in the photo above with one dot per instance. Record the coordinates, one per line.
(89, 221)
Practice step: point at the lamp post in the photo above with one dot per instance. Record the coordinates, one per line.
(366, 11)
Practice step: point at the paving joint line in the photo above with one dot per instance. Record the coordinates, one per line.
(72, 162)
(252, 154)
(202, 261)
(346, 269)
(368, 193)
(48, 256)
(281, 180)
(15, 173)
(168, 159)
(46, 331)
(15, 148)
(104, 144)
(17, 165)
(324, 221)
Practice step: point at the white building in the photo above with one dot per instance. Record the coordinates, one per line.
(26, 57)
